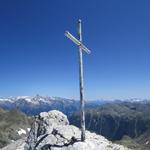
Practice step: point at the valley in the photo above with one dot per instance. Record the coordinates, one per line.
(125, 122)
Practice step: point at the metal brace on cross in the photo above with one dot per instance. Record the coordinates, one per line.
(81, 46)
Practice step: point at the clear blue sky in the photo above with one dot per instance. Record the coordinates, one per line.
(36, 57)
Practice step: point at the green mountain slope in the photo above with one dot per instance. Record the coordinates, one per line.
(119, 119)
(13, 124)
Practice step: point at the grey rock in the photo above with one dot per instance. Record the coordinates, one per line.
(44, 126)
(51, 131)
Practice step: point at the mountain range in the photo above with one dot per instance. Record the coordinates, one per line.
(33, 105)
(126, 122)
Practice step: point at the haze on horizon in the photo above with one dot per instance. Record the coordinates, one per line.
(36, 57)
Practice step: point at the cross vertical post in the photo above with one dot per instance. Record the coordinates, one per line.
(82, 102)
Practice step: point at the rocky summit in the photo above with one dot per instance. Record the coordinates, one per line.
(51, 131)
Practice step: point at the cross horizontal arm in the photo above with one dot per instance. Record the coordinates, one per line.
(77, 42)
(85, 49)
(72, 38)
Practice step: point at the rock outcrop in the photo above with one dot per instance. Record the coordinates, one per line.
(51, 131)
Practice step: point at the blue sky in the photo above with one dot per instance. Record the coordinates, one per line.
(36, 57)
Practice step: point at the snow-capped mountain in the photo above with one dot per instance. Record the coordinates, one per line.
(33, 99)
(33, 105)
(133, 100)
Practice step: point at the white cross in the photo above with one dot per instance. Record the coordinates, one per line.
(81, 46)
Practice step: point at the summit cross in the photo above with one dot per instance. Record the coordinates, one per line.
(82, 47)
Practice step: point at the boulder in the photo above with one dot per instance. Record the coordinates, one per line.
(51, 131)
(43, 126)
